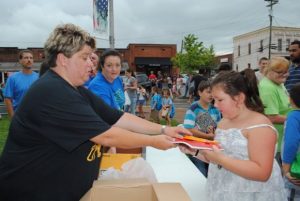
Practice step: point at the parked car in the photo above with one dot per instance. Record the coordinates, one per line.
(144, 81)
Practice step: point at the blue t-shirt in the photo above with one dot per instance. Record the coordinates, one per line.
(17, 85)
(167, 101)
(87, 83)
(198, 117)
(156, 102)
(111, 93)
(291, 139)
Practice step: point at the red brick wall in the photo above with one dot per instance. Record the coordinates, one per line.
(10, 54)
(150, 50)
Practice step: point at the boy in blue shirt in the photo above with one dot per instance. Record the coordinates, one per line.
(201, 119)
(155, 105)
(291, 143)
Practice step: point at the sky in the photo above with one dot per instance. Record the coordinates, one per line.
(215, 22)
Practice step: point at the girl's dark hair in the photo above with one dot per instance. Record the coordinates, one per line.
(234, 83)
(295, 94)
(106, 53)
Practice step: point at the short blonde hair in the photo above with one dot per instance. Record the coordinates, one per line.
(67, 39)
(277, 64)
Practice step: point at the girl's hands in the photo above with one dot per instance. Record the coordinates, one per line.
(213, 156)
(187, 150)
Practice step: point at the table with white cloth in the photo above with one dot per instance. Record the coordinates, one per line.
(174, 166)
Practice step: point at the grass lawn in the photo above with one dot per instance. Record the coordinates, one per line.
(173, 122)
(4, 124)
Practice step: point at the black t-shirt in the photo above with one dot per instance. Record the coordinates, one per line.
(46, 154)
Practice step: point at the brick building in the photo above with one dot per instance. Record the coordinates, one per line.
(139, 57)
(151, 57)
(224, 58)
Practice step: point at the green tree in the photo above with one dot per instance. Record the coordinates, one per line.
(194, 55)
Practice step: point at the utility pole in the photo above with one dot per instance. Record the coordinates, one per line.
(111, 24)
(181, 49)
(271, 3)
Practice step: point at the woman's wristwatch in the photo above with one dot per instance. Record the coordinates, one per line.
(163, 128)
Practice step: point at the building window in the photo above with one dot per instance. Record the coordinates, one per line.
(249, 48)
(249, 65)
(239, 50)
(237, 67)
(261, 48)
(279, 45)
(288, 42)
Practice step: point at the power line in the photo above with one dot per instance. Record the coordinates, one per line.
(271, 4)
(229, 20)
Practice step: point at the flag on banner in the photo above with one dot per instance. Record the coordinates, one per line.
(100, 18)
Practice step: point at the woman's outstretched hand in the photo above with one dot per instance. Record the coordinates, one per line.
(177, 132)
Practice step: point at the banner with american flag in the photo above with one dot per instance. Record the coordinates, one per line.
(101, 18)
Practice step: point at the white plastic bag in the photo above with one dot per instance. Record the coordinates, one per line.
(135, 168)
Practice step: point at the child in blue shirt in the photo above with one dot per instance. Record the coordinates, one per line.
(291, 143)
(166, 106)
(155, 105)
(201, 119)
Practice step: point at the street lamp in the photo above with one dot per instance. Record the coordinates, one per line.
(270, 4)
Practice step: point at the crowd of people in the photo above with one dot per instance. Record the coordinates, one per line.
(59, 121)
(57, 131)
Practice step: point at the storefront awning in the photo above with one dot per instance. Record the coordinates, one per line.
(152, 61)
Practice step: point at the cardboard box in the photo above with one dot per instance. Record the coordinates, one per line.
(135, 190)
(130, 151)
(116, 160)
